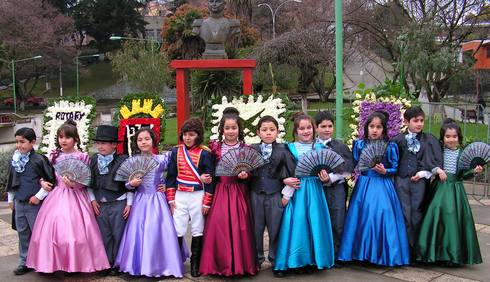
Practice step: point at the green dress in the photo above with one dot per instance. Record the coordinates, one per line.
(447, 233)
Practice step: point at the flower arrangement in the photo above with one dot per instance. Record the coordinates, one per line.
(251, 110)
(365, 104)
(137, 110)
(79, 109)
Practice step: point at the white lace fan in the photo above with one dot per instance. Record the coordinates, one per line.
(75, 170)
(372, 154)
(315, 161)
(238, 160)
(477, 153)
(135, 166)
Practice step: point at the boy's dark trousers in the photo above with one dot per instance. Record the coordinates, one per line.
(111, 225)
(411, 195)
(267, 211)
(336, 197)
(25, 216)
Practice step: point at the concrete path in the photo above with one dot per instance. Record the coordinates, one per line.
(481, 210)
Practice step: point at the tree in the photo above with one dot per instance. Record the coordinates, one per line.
(143, 64)
(178, 41)
(29, 28)
(391, 29)
(103, 18)
(311, 50)
(242, 9)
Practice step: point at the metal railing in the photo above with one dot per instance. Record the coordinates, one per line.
(475, 126)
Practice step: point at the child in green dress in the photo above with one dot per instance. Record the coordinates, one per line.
(447, 233)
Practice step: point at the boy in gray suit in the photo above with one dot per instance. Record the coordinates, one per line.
(266, 185)
(111, 201)
(31, 177)
(420, 158)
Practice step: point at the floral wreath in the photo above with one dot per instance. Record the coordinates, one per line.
(251, 110)
(140, 108)
(79, 109)
(366, 104)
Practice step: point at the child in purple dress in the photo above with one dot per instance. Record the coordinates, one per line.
(149, 244)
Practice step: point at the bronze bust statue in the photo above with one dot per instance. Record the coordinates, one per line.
(215, 30)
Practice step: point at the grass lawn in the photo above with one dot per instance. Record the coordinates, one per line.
(92, 77)
(471, 131)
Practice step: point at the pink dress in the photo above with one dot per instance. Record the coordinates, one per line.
(66, 236)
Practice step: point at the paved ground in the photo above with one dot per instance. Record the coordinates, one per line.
(481, 210)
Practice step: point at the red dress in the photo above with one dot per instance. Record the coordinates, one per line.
(229, 247)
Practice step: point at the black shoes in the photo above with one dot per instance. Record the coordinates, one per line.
(113, 271)
(21, 270)
(196, 247)
(278, 273)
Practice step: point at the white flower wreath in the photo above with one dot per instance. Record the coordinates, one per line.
(62, 111)
(251, 109)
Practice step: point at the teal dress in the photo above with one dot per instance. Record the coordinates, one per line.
(305, 238)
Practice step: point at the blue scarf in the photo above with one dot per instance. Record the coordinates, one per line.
(103, 163)
(413, 143)
(20, 160)
(266, 150)
(324, 143)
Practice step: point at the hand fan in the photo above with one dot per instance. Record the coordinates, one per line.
(238, 160)
(135, 166)
(372, 154)
(477, 153)
(314, 161)
(75, 170)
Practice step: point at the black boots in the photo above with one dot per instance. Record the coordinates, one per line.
(196, 247)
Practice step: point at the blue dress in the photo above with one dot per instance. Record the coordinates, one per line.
(306, 236)
(374, 229)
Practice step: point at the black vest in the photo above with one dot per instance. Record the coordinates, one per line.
(100, 192)
(104, 185)
(268, 178)
(29, 183)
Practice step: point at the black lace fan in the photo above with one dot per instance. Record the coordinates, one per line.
(75, 170)
(477, 153)
(238, 160)
(372, 154)
(314, 161)
(135, 166)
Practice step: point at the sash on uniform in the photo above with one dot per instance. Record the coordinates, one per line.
(188, 177)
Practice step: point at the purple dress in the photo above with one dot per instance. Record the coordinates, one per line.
(149, 245)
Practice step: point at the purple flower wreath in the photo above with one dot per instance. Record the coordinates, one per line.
(393, 110)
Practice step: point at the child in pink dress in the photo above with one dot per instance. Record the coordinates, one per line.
(66, 236)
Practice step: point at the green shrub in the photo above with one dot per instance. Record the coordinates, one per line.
(5, 160)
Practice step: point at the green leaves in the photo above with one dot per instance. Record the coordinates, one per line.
(143, 64)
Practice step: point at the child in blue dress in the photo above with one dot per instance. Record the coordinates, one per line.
(305, 237)
(374, 229)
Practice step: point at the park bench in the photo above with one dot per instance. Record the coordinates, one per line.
(468, 115)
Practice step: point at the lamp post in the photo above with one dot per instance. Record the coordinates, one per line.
(339, 70)
(77, 59)
(12, 68)
(274, 13)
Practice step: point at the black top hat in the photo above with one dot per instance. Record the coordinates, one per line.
(106, 133)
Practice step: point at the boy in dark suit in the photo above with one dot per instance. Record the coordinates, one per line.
(266, 184)
(111, 201)
(335, 189)
(31, 177)
(420, 158)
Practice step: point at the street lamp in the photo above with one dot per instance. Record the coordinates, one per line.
(12, 66)
(274, 13)
(77, 58)
(137, 39)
